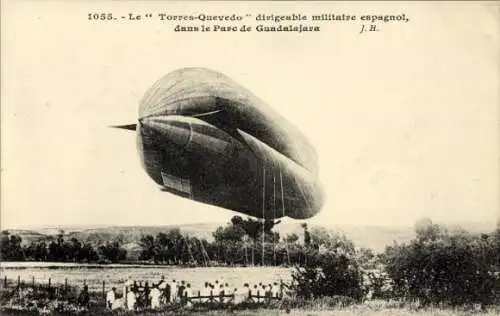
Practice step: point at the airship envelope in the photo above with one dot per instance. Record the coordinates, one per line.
(202, 136)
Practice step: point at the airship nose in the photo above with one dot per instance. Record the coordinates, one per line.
(166, 128)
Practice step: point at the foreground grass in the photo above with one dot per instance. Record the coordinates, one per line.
(377, 309)
(290, 306)
(350, 311)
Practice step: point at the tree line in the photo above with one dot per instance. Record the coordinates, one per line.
(240, 242)
(246, 242)
(438, 267)
(57, 249)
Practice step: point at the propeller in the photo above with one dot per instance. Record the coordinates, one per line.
(130, 127)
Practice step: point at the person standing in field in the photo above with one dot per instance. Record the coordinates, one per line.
(173, 291)
(127, 286)
(162, 287)
(239, 296)
(167, 293)
(205, 292)
(146, 294)
(213, 293)
(84, 297)
(162, 284)
(154, 296)
(264, 292)
(110, 298)
(180, 292)
(247, 292)
(216, 284)
(221, 293)
(162, 281)
(267, 292)
(253, 292)
(275, 290)
(187, 295)
(131, 300)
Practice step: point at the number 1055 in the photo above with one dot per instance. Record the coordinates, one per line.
(100, 16)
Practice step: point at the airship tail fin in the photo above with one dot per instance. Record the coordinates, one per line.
(131, 127)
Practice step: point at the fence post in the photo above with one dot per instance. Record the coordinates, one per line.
(33, 285)
(18, 281)
(5, 281)
(103, 290)
(49, 283)
(65, 284)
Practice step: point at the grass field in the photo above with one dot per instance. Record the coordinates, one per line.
(319, 307)
(362, 309)
(116, 275)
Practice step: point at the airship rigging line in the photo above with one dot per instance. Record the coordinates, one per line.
(274, 210)
(263, 210)
(283, 208)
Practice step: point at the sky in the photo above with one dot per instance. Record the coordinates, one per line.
(404, 120)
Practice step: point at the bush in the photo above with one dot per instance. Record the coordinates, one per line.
(439, 267)
(328, 274)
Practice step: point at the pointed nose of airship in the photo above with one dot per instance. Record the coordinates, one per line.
(167, 128)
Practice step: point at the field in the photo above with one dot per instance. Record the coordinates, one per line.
(116, 275)
(374, 308)
(350, 311)
(355, 310)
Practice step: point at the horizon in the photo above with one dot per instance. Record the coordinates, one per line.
(351, 225)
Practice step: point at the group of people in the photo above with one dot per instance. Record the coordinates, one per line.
(137, 295)
(217, 291)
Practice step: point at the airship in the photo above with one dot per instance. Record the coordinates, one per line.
(203, 136)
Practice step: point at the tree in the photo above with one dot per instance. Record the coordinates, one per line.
(291, 238)
(10, 247)
(147, 243)
(307, 236)
(328, 274)
(229, 233)
(87, 253)
(441, 267)
(237, 221)
(426, 230)
(161, 244)
(320, 238)
(37, 251)
(73, 249)
(112, 252)
(175, 244)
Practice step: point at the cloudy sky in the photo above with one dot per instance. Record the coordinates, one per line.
(405, 120)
